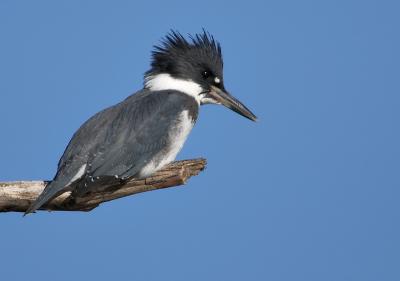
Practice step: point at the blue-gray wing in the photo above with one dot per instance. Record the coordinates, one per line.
(119, 140)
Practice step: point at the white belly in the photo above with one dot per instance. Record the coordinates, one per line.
(177, 138)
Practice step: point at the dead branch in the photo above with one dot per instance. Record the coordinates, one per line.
(17, 196)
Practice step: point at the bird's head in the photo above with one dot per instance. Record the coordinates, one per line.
(194, 67)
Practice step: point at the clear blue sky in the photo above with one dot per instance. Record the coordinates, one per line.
(310, 192)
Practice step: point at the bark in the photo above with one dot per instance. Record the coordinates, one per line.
(17, 196)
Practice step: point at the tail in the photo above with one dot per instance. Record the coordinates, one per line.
(51, 190)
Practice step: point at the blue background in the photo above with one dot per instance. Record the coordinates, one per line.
(310, 192)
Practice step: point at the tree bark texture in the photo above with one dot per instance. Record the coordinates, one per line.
(17, 196)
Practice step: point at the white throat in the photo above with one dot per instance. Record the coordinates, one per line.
(165, 81)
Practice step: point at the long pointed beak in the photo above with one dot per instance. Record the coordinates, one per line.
(231, 102)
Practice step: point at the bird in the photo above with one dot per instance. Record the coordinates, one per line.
(145, 132)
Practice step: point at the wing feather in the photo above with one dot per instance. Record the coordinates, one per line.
(118, 141)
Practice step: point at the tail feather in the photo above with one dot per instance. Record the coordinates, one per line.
(51, 190)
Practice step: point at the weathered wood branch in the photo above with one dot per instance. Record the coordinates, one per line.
(18, 195)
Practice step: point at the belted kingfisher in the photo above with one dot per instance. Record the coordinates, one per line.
(145, 132)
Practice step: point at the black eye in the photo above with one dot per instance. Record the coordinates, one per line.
(206, 74)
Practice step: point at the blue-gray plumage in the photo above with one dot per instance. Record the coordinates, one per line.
(145, 132)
